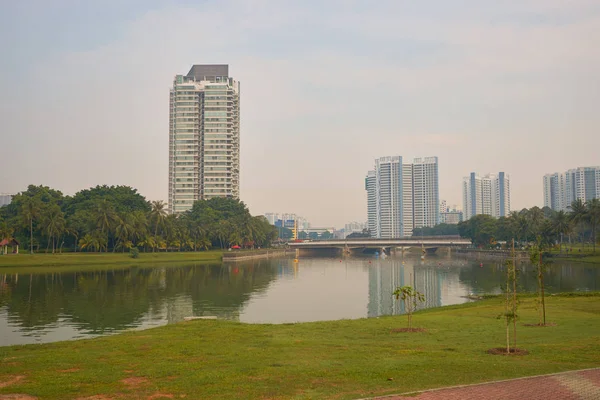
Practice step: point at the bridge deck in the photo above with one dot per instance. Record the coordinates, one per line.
(458, 242)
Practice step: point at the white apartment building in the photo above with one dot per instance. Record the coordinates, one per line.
(562, 189)
(204, 136)
(488, 195)
(402, 196)
(5, 199)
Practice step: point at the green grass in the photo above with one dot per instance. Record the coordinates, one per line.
(338, 359)
(24, 262)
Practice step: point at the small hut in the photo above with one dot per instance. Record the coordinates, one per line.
(14, 245)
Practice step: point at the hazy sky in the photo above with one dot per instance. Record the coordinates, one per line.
(326, 86)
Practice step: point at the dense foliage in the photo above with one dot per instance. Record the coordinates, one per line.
(438, 230)
(544, 227)
(111, 218)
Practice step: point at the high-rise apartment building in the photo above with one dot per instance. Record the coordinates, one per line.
(489, 194)
(5, 199)
(204, 136)
(402, 196)
(561, 189)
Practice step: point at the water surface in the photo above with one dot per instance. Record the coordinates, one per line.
(46, 307)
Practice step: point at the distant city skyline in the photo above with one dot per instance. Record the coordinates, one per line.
(484, 85)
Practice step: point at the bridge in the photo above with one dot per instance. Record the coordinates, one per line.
(363, 245)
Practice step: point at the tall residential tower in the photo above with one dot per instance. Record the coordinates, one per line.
(204, 136)
(402, 196)
(561, 189)
(488, 195)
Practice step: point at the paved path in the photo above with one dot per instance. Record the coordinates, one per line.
(572, 385)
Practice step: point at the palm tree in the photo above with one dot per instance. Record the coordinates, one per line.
(54, 220)
(92, 242)
(123, 230)
(561, 225)
(139, 224)
(535, 217)
(578, 213)
(105, 218)
(593, 216)
(30, 210)
(158, 213)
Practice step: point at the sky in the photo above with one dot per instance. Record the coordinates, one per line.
(326, 87)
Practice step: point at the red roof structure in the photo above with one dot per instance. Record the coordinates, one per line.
(9, 242)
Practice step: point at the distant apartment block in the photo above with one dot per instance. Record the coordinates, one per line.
(561, 189)
(204, 136)
(489, 194)
(451, 217)
(402, 196)
(5, 199)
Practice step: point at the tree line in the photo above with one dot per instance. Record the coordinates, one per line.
(118, 218)
(542, 226)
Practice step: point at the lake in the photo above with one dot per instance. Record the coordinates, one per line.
(47, 307)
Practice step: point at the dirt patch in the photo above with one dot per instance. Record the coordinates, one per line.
(161, 396)
(11, 380)
(402, 330)
(501, 351)
(95, 397)
(64, 371)
(541, 325)
(17, 397)
(134, 381)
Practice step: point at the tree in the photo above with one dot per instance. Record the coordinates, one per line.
(561, 225)
(53, 219)
(510, 305)
(535, 218)
(123, 231)
(438, 230)
(93, 242)
(593, 216)
(326, 235)
(536, 258)
(6, 230)
(158, 214)
(105, 218)
(579, 213)
(410, 297)
(30, 210)
(481, 229)
(364, 234)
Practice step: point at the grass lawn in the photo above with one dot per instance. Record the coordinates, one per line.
(338, 359)
(20, 261)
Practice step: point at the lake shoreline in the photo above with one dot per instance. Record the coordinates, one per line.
(287, 358)
(111, 259)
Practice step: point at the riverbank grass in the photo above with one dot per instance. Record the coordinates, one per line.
(94, 259)
(345, 359)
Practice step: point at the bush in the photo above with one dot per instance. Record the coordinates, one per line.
(134, 252)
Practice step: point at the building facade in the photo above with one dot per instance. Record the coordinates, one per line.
(402, 196)
(5, 199)
(451, 217)
(562, 189)
(489, 194)
(204, 136)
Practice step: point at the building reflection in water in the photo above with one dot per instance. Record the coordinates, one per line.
(435, 278)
